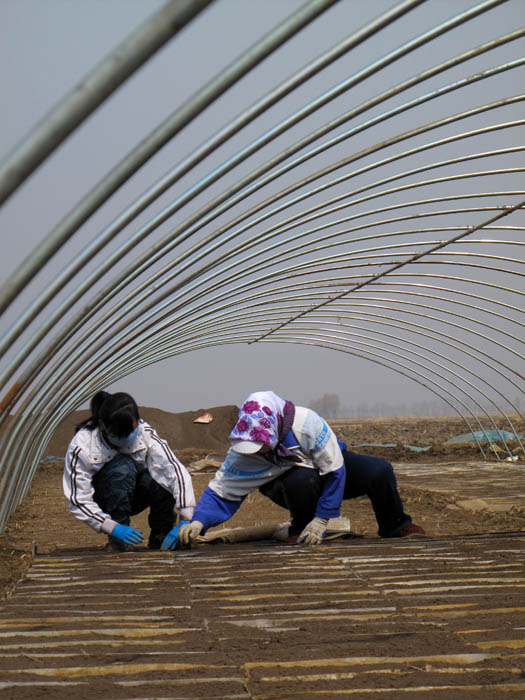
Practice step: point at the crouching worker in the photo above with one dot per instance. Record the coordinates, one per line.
(117, 466)
(293, 457)
(287, 452)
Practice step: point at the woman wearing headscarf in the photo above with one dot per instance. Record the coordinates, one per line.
(293, 457)
(117, 466)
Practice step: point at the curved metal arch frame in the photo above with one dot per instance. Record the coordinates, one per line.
(287, 271)
(258, 318)
(112, 231)
(201, 322)
(277, 278)
(127, 330)
(114, 289)
(139, 288)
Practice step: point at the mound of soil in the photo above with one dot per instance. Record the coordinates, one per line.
(178, 429)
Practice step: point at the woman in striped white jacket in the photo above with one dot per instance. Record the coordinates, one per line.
(117, 466)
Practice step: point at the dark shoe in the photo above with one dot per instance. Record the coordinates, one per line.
(156, 539)
(292, 539)
(411, 529)
(115, 546)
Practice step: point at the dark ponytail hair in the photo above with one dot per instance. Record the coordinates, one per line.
(116, 411)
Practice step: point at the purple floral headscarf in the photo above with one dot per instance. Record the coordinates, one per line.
(267, 418)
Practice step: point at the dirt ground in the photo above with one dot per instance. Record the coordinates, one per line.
(43, 522)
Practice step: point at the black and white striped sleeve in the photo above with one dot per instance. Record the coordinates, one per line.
(78, 490)
(169, 472)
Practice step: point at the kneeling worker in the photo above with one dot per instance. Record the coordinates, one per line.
(117, 466)
(293, 457)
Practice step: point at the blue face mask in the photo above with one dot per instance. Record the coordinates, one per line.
(125, 442)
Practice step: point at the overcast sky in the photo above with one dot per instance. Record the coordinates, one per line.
(46, 47)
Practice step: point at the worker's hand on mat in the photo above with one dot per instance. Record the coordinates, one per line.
(171, 541)
(190, 532)
(127, 534)
(313, 533)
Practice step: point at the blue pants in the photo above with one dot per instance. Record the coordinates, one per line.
(299, 489)
(122, 490)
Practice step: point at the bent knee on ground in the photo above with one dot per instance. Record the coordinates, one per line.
(121, 463)
(381, 471)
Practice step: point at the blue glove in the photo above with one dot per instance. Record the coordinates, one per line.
(127, 534)
(171, 541)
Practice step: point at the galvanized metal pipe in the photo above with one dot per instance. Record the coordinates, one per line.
(254, 311)
(385, 19)
(42, 331)
(105, 295)
(94, 89)
(129, 334)
(419, 255)
(169, 327)
(287, 273)
(158, 138)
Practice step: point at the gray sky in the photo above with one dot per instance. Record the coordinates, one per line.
(47, 47)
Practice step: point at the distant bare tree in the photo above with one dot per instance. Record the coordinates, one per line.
(327, 406)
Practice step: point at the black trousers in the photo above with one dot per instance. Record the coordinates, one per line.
(298, 491)
(121, 490)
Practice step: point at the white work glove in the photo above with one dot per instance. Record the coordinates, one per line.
(188, 533)
(313, 532)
